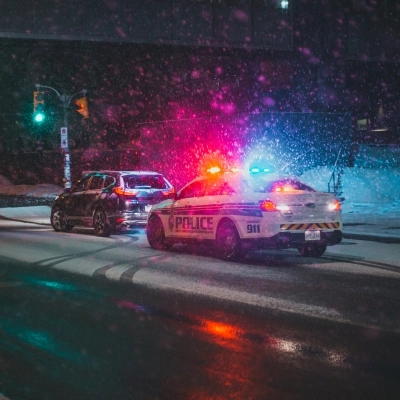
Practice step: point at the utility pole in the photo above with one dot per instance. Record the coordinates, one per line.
(66, 100)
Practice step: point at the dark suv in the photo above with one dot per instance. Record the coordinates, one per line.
(109, 201)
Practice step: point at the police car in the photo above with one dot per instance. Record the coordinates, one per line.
(239, 211)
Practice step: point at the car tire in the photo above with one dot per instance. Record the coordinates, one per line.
(57, 220)
(312, 250)
(156, 234)
(228, 242)
(100, 224)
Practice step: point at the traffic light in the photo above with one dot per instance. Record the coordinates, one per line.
(38, 105)
(83, 107)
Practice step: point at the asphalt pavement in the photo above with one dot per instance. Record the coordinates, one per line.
(375, 227)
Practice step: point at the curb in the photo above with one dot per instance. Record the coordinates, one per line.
(372, 237)
(26, 221)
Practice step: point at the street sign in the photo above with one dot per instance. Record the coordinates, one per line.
(67, 162)
(64, 133)
(64, 138)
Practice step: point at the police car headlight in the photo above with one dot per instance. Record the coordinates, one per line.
(283, 208)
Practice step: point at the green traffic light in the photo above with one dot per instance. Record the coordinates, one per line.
(39, 117)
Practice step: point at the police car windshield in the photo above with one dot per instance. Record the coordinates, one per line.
(145, 181)
(279, 185)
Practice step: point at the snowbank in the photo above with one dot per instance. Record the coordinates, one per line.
(41, 190)
(363, 188)
(4, 181)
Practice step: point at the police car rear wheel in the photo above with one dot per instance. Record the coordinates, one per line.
(312, 250)
(156, 234)
(228, 242)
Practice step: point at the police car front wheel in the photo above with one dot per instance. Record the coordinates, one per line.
(228, 242)
(156, 234)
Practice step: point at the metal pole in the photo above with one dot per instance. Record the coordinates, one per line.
(66, 99)
(67, 159)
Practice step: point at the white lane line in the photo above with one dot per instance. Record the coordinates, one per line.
(115, 273)
(11, 284)
(169, 282)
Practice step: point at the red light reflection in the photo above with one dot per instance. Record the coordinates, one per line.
(221, 330)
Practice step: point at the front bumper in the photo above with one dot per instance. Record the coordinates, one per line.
(292, 240)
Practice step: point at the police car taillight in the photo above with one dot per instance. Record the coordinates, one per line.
(267, 205)
(125, 192)
(335, 206)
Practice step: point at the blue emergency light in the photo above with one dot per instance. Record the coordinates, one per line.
(257, 170)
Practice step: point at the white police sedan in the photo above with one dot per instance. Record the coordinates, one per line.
(238, 211)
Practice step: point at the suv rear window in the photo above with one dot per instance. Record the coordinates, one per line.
(145, 181)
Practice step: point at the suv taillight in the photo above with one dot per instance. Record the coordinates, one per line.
(125, 192)
(168, 192)
(267, 205)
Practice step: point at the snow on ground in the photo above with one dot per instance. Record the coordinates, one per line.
(4, 181)
(372, 186)
(363, 188)
(40, 190)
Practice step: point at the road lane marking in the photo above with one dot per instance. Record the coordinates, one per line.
(168, 282)
(11, 284)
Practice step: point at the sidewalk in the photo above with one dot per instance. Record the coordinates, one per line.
(379, 228)
(375, 227)
(36, 214)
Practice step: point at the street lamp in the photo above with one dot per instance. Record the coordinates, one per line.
(66, 100)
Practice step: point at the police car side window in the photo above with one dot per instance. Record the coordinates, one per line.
(196, 189)
(218, 188)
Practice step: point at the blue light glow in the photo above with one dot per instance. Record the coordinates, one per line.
(284, 4)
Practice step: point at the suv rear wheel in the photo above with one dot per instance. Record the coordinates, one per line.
(100, 224)
(57, 220)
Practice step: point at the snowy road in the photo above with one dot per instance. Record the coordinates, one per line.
(356, 282)
(100, 318)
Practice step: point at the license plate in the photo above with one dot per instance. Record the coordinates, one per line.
(312, 235)
(147, 208)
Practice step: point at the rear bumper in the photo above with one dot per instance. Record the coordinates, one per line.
(129, 220)
(292, 240)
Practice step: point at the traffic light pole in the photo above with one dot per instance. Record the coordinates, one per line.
(66, 100)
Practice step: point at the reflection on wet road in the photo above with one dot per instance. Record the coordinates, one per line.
(83, 317)
(70, 337)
